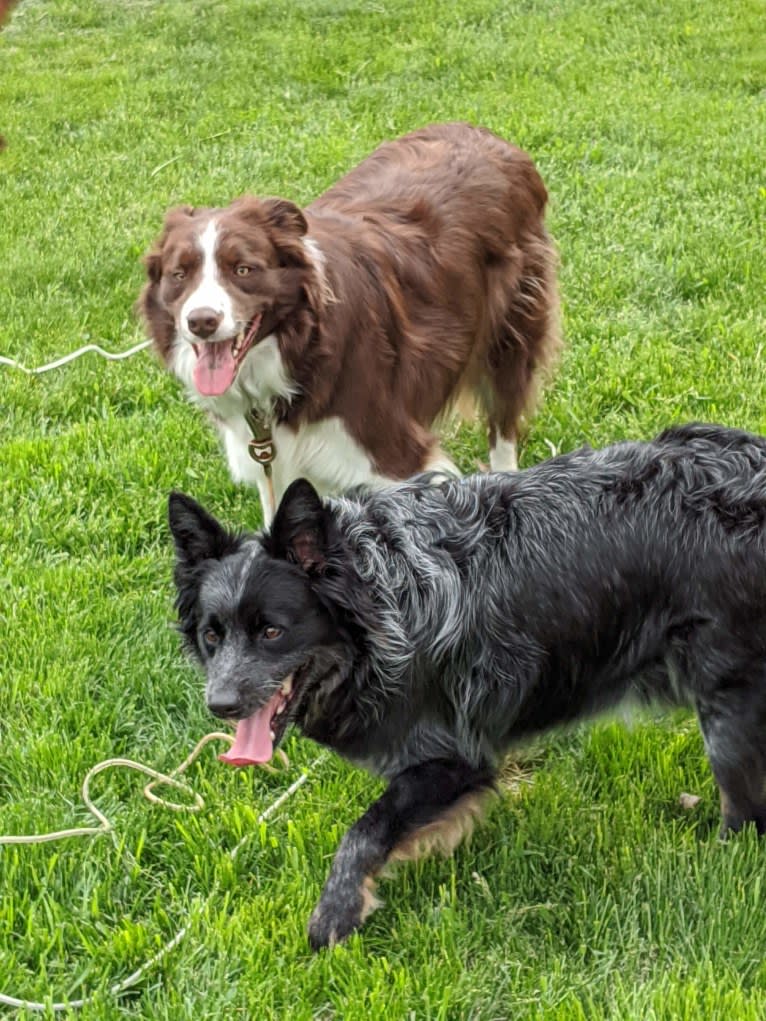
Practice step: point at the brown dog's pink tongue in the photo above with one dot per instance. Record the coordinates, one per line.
(215, 369)
(252, 742)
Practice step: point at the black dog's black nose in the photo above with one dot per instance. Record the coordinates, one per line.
(226, 708)
(203, 322)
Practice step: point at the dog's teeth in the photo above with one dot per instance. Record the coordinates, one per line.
(287, 685)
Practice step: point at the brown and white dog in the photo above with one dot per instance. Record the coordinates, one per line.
(423, 277)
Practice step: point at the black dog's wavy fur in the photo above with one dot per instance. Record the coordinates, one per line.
(470, 614)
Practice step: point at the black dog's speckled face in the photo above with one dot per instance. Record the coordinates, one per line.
(258, 622)
(252, 619)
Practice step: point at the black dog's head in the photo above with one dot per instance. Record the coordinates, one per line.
(249, 611)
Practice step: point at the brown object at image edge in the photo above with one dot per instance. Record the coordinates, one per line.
(5, 7)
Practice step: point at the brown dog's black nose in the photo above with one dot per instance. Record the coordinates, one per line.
(203, 322)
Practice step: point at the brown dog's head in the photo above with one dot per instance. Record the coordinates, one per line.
(220, 280)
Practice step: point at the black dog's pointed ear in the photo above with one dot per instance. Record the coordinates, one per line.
(298, 532)
(197, 534)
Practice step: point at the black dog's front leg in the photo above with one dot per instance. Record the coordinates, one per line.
(428, 806)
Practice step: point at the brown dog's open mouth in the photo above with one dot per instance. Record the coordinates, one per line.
(256, 736)
(218, 361)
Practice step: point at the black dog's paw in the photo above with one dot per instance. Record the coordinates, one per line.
(328, 926)
(341, 912)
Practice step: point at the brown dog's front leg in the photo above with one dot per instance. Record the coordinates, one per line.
(428, 806)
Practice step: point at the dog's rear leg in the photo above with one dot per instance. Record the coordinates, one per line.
(733, 732)
(435, 800)
(525, 345)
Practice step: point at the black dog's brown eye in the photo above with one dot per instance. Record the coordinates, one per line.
(271, 633)
(211, 637)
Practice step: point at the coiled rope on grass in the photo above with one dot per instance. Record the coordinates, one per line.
(105, 825)
(171, 779)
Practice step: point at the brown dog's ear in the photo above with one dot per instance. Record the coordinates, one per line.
(153, 258)
(153, 263)
(159, 323)
(178, 213)
(285, 215)
(281, 214)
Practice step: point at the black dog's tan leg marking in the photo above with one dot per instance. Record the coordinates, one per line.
(429, 805)
(742, 800)
(444, 834)
(733, 730)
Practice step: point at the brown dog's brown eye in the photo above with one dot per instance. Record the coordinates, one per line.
(241, 270)
(270, 633)
(179, 274)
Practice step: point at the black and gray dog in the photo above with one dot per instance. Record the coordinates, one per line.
(422, 630)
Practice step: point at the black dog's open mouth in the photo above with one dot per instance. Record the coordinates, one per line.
(218, 361)
(258, 734)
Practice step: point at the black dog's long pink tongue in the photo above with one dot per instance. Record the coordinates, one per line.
(252, 742)
(215, 369)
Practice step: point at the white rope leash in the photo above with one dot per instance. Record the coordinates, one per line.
(110, 356)
(169, 779)
(105, 826)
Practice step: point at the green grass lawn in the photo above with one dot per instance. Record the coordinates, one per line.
(590, 894)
